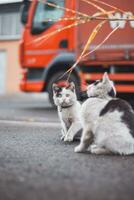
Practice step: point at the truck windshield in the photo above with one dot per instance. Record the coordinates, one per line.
(43, 12)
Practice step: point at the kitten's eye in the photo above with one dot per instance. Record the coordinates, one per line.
(59, 95)
(67, 95)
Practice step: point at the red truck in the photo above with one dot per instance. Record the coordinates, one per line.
(44, 61)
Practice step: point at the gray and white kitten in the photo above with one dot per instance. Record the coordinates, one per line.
(68, 110)
(108, 122)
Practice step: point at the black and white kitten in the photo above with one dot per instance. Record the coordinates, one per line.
(106, 120)
(68, 110)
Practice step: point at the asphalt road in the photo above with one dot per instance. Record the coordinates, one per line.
(36, 165)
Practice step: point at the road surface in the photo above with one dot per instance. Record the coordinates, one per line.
(36, 165)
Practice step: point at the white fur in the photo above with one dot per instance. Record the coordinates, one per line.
(109, 133)
(70, 114)
(69, 117)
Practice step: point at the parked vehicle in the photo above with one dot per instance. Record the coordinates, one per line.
(43, 61)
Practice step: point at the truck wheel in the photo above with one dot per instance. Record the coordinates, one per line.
(54, 79)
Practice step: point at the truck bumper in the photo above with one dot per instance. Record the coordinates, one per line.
(32, 86)
(126, 80)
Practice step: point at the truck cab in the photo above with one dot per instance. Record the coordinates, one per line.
(48, 49)
(45, 58)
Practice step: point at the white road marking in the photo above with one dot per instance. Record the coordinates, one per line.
(29, 123)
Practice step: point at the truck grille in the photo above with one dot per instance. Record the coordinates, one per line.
(35, 74)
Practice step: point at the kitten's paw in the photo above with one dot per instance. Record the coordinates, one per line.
(68, 138)
(62, 137)
(79, 149)
(98, 150)
(93, 146)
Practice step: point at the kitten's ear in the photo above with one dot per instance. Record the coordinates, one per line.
(55, 87)
(105, 78)
(71, 86)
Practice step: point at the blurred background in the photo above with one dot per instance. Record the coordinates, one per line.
(34, 163)
(10, 33)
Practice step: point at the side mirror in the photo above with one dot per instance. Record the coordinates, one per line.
(24, 12)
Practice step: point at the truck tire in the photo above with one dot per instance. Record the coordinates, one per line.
(54, 79)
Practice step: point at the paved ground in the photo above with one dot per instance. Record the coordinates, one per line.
(36, 165)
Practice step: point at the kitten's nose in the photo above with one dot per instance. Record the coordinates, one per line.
(63, 101)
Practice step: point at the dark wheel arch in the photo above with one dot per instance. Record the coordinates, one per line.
(61, 62)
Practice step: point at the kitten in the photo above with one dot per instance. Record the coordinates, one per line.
(106, 119)
(68, 110)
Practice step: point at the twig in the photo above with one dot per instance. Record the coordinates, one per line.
(115, 8)
(94, 5)
(45, 37)
(90, 39)
(63, 8)
(99, 45)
